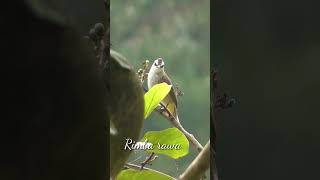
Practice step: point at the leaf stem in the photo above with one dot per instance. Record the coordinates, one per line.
(137, 167)
(148, 160)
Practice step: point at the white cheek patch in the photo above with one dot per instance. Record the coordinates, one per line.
(158, 64)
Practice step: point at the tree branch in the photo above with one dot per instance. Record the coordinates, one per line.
(167, 114)
(199, 165)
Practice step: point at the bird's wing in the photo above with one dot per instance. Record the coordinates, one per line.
(172, 92)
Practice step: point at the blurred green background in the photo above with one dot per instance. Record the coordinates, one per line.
(179, 32)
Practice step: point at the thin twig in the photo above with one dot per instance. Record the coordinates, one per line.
(142, 72)
(136, 167)
(199, 165)
(136, 159)
(149, 159)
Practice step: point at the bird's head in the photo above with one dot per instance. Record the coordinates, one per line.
(159, 63)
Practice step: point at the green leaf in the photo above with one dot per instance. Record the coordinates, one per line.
(172, 142)
(131, 174)
(154, 96)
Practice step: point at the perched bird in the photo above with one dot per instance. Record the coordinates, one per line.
(157, 75)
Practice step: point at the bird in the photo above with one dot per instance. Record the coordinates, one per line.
(157, 75)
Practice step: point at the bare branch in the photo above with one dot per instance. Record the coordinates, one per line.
(167, 114)
(199, 165)
(149, 160)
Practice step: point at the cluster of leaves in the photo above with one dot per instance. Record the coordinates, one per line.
(170, 136)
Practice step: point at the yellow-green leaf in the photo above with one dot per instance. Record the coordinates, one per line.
(131, 174)
(154, 96)
(170, 142)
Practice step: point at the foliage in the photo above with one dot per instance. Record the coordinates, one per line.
(154, 96)
(141, 175)
(161, 140)
(125, 105)
(170, 136)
